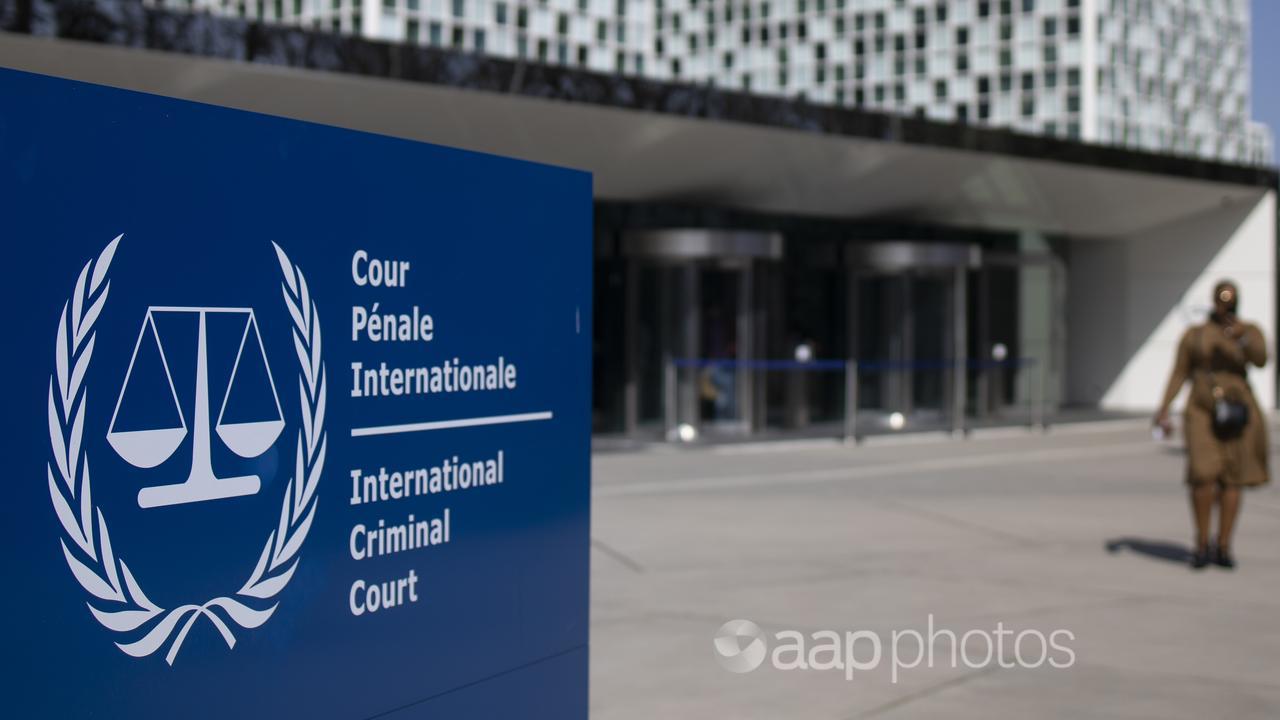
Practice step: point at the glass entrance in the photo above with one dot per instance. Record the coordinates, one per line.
(695, 329)
(906, 328)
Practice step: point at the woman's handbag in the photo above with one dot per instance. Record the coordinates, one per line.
(1229, 416)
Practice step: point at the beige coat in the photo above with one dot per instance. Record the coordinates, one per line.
(1216, 364)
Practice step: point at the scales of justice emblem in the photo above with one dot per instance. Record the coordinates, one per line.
(117, 600)
(149, 447)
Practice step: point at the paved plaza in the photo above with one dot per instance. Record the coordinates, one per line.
(1082, 529)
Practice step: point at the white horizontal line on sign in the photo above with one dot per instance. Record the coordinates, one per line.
(447, 424)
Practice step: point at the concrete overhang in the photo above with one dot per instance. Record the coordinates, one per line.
(652, 142)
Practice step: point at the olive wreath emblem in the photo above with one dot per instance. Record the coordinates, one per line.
(119, 603)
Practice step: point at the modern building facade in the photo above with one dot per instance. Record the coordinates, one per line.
(765, 266)
(1159, 75)
(599, 35)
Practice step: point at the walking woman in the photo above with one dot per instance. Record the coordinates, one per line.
(1226, 433)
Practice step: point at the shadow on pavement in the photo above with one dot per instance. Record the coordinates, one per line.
(1158, 549)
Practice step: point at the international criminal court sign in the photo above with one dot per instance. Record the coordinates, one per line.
(297, 418)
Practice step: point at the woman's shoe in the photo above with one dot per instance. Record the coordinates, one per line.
(1200, 559)
(1224, 558)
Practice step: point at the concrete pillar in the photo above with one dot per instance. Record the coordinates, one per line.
(1130, 299)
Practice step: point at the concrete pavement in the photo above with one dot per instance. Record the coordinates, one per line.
(1080, 530)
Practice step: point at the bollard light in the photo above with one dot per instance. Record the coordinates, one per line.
(896, 421)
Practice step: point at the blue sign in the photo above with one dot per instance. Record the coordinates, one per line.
(297, 418)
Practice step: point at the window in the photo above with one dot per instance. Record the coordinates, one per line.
(962, 113)
(1028, 106)
(1050, 26)
(984, 85)
(522, 17)
(562, 24)
(411, 31)
(459, 8)
(962, 36)
(455, 37)
(1028, 82)
(500, 13)
(434, 31)
(940, 90)
(477, 41)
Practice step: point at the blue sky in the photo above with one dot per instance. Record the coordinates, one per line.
(1266, 63)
